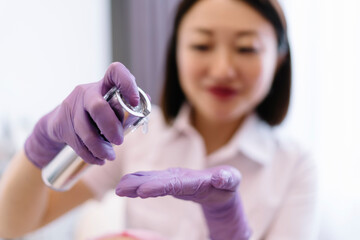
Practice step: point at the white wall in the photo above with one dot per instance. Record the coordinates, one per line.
(325, 111)
(48, 47)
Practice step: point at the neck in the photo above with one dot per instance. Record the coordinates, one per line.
(215, 134)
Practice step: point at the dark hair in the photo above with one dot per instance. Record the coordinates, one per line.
(273, 108)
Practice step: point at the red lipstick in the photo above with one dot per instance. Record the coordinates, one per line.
(222, 92)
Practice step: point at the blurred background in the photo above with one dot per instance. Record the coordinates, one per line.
(49, 47)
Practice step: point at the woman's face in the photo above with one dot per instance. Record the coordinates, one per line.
(226, 56)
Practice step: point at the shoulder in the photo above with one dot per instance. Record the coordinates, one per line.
(291, 148)
(280, 151)
(288, 165)
(293, 160)
(268, 145)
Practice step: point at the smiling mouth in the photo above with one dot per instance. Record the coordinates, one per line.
(222, 92)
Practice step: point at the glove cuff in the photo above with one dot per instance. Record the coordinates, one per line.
(38, 153)
(227, 221)
(39, 149)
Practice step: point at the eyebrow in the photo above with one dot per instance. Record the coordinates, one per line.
(247, 33)
(242, 33)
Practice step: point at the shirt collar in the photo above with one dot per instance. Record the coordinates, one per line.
(254, 139)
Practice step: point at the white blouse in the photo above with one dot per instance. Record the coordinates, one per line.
(278, 187)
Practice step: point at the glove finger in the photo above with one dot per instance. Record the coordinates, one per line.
(226, 178)
(104, 118)
(118, 75)
(81, 150)
(159, 187)
(91, 138)
(177, 182)
(129, 184)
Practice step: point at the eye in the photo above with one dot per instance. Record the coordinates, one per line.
(246, 50)
(200, 47)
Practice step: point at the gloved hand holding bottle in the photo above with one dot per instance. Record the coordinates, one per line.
(215, 189)
(84, 121)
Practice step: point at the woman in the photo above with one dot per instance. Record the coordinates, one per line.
(227, 83)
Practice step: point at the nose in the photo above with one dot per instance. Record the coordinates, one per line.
(223, 68)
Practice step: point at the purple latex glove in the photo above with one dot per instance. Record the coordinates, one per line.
(82, 121)
(215, 189)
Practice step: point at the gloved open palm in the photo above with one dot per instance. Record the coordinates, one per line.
(211, 186)
(215, 189)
